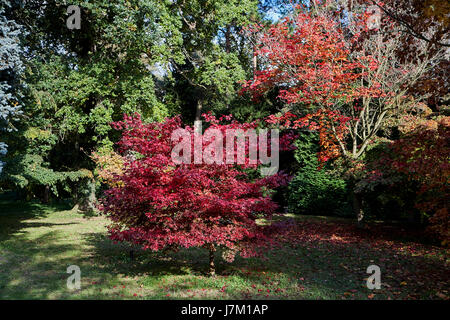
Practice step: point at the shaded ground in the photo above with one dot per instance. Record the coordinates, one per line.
(327, 260)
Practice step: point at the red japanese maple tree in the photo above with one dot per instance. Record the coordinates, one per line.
(310, 57)
(161, 205)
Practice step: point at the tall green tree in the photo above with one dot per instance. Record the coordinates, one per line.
(216, 55)
(155, 57)
(80, 80)
(11, 68)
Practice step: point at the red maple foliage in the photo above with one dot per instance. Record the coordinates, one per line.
(341, 75)
(161, 205)
(313, 61)
(422, 154)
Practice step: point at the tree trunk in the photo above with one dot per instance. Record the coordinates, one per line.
(46, 194)
(198, 112)
(358, 209)
(212, 267)
(86, 202)
(228, 40)
(254, 61)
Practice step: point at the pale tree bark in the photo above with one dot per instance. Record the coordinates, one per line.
(212, 266)
(358, 208)
(198, 111)
(394, 78)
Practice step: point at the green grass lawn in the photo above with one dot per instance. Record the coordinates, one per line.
(38, 243)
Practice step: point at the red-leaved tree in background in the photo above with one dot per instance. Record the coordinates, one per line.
(161, 205)
(346, 77)
(422, 155)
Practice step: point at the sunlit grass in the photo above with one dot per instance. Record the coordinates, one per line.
(38, 243)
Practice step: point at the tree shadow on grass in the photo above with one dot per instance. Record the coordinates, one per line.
(35, 269)
(328, 266)
(335, 258)
(13, 214)
(116, 258)
(325, 262)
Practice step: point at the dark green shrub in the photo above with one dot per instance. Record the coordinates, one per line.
(316, 191)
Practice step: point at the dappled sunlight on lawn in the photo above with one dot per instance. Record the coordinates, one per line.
(314, 259)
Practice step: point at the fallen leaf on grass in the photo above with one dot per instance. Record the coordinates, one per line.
(442, 296)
